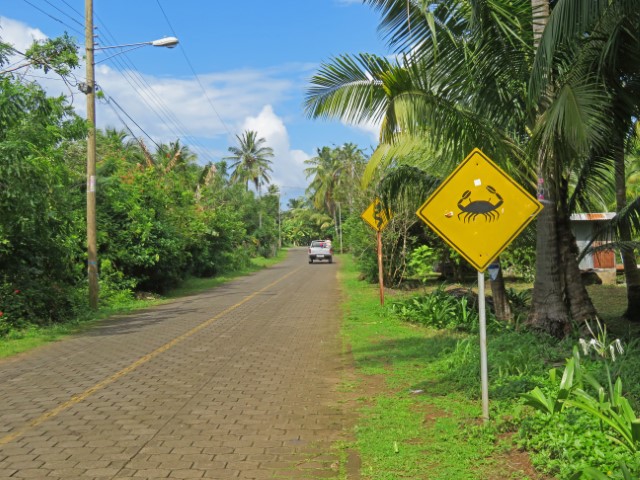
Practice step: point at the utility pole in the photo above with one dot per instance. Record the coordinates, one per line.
(92, 250)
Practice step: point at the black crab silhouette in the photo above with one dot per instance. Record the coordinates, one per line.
(471, 210)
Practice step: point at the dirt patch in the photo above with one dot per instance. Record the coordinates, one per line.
(514, 463)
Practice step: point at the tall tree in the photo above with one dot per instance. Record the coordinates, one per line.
(587, 65)
(416, 101)
(251, 160)
(174, 156)
(464, 84)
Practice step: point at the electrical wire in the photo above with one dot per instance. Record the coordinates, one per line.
(153, 101)
(193, 70)
(81, 14)
(66, 14)
(52, 17)
(109, 100)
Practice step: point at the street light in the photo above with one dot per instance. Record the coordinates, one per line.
(89, 89)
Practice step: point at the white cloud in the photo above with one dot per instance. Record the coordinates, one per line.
(288, 165)
(192, 108)
(20, 35)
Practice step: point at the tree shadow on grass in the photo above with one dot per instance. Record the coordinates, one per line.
(418, 352)
(449, 362)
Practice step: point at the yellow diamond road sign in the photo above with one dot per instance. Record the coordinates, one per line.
(376, 216)
(479, 210)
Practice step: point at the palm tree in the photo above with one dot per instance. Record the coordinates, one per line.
(250, 160)
(601, 75)
(414, 98)
(174, 156)
(325, 171)
(465, 84)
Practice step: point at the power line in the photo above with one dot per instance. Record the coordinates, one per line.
(111, 99)
(193, 70)
(72, 8)
(66, 14)
(52, 17)
(153, 101)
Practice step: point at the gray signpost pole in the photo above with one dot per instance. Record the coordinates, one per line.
(484, 376)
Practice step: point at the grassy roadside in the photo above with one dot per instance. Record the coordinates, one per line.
(418, 394)
(32, 337)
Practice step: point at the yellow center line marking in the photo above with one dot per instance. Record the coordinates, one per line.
(141, 361)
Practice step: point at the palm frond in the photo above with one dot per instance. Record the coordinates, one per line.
(349, 88)
(411, 184)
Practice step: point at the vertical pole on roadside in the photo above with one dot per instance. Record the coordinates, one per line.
(484, 376)
(92, 248)
(380, 274)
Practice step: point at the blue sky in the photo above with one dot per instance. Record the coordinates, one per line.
(241, 64)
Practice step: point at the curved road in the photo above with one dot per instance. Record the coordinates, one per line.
(237, 382)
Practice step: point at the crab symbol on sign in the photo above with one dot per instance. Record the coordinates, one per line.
(472, 208)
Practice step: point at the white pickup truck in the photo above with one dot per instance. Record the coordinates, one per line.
(320, 250)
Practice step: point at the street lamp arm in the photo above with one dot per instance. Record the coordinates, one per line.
(134, 47)
(168, 42)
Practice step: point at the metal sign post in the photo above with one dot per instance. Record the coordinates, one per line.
(380, 271)
(484, 375)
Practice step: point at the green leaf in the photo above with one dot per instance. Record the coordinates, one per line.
(538, 400)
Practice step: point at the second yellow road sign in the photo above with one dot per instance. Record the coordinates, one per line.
(376, 216)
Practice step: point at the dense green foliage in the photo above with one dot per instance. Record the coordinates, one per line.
(39, 256)
(161, 217)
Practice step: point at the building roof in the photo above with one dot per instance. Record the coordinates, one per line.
(588, 217)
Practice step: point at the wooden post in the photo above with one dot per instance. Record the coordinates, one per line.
(92, 244)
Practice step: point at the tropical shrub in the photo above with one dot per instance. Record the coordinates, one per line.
(442, 309)
(588, 414)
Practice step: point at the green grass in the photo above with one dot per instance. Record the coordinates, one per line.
(415, 420)
(419, 389)
(31, 337)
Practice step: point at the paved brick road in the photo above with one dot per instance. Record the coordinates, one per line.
(239, 382)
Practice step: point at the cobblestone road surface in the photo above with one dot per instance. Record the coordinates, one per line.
(239, 382)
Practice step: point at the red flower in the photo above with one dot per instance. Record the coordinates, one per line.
(16, 291)
(1, 314)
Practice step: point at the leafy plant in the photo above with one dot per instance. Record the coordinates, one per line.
(441, 309)
(607, 405)
(421, 261)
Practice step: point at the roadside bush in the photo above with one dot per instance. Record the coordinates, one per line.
(570, 443)
(421, 262)
(35, 301)
(441, 309)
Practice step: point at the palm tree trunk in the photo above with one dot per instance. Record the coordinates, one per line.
(540, 9)
(580, 305)
(631, 271)
(548, 313)
(501, 306)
